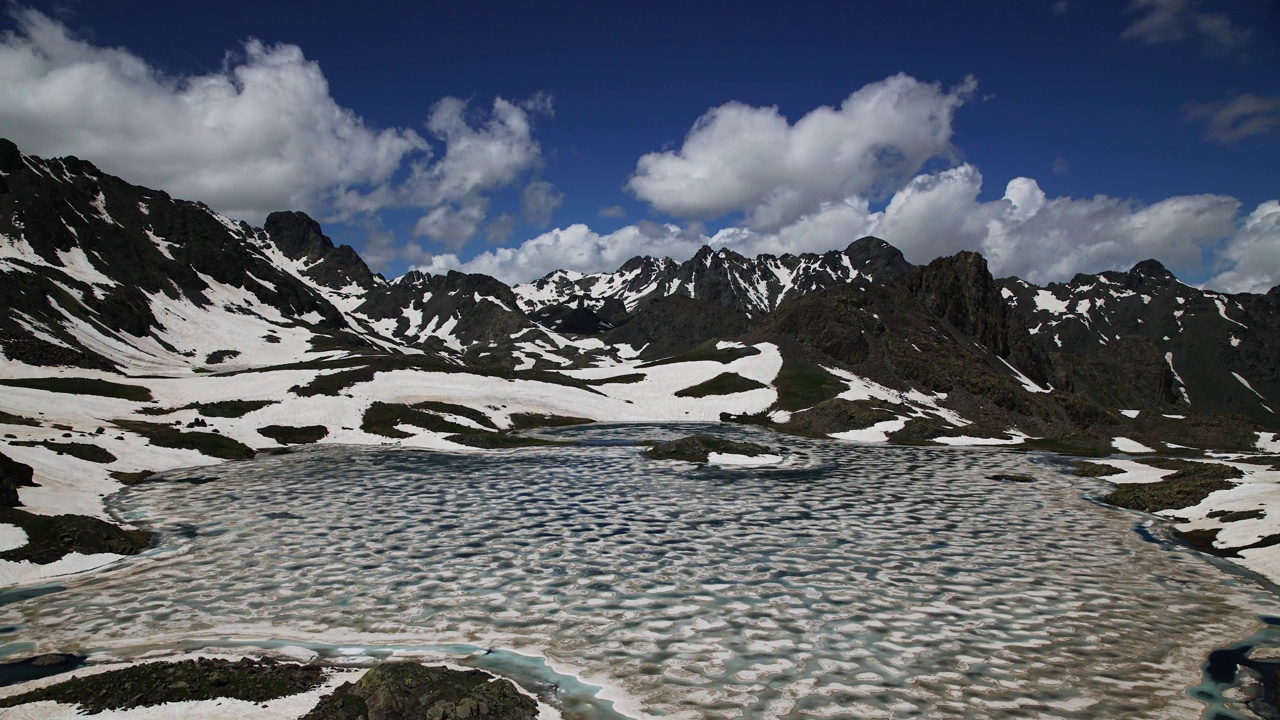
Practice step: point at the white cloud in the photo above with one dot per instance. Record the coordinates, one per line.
(576, 247)
(453, 225)
(477, 159)
(749, 159)
(261, 134)
(1231, 121)
(538, 201)
(1251, 259)
(1164, 21)
(1024, 233)
(613, 211)
(499, 230)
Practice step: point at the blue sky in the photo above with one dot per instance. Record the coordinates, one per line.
(1137, 130)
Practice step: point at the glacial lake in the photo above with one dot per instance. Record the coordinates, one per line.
(848, 582)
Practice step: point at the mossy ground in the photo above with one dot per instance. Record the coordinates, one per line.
(83, 386)
(525, 421)
(722, 384)
(50, 537)
(1189, 485)
(408, 691)
(710, 354)
(802, 384)
(84, 451)
(157, 683)
(292, 435)
(211, 444)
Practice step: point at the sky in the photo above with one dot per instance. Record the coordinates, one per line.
(1053, 136)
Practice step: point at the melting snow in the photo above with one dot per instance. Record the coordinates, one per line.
(1130, 413)
(1246, 384)
(1222, 310)
(877, 433)
(1125, 445)
(1046, 300)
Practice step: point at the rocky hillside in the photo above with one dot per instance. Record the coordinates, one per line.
(1219, 352)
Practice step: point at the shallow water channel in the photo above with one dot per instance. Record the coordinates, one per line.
(850, 581)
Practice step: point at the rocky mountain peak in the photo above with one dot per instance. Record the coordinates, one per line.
(1151, 270)
(297, 235)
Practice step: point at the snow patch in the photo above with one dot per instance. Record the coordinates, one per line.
(1049, 302)
(877, 433)
(745, 460)
(12, 537)
(1268, 442)
(1130, 413)
(1125, 445)
(25, 572)
(1246, 384)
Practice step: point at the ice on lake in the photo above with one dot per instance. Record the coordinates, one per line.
(848, 581)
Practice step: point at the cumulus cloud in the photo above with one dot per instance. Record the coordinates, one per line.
(1231, 121)
(500, 229)
(576, 247)
(538, 201)
(1024, 233)
(261, 134)
(1250, 261)
(1164, 21)
(739, 158)
(451, 224)
(477, 159)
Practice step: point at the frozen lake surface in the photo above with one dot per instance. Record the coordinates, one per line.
(848, 582)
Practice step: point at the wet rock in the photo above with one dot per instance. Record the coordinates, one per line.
(405, 691)
(698, 448)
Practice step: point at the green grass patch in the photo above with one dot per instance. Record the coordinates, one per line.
(230, 408)
(211, 444)
(1226, 516)
(727, 355)
(803, 384)
(1191, 484)
(84, 451)
(334, 383)
(555, 378)
(1084, 468)
(460, 410)
(525, 421)
(83, 386)
(292, 435)
(382, 418)
(722, 384)
(11, 419)
(362, 368)
(617, 379)
(220, 356)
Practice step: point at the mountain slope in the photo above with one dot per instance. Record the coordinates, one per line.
(1222, 351)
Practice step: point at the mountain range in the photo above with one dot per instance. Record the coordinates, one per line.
(144, 332)
(101, 274)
